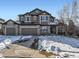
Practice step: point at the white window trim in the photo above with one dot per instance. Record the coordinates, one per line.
(43, 21)
(26, 18)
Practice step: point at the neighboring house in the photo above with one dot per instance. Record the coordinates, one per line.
(2, 20)
(1, 29)
(36, 22)
(10, 27)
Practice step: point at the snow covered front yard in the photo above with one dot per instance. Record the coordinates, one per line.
(62, 39)
(65, 44)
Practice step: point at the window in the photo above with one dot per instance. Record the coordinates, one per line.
(27, 19)
(44, 29)
(22, 18)
(44, 18)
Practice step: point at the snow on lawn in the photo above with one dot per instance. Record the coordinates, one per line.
(62, 39)
(63, 43)
(7, 40)
(12, 38)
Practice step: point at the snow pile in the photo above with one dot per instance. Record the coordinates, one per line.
(46, 45)
(66, 47)
(7, 40)
(5, 43)
(27, 37)
(68, 55)
(2, 46)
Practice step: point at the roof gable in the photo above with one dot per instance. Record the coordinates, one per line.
(10, 21)
(36, 11)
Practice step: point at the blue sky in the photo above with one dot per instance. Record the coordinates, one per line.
(9, 9)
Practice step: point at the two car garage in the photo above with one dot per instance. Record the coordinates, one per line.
(29, 30)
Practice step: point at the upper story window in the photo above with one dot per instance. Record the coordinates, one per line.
(27, 18)
(44, 18)
(22, 18)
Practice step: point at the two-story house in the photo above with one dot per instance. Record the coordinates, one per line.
(35, 22)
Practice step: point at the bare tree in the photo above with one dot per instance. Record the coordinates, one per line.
(64, 14)
(70, 16)
(71, 27)
(74, 14)
(60, 14)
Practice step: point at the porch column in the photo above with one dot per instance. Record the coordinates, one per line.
(38, 30)
(5, 30)
(16, 29)
(56, 29)
(20, 29)
(49, 29)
